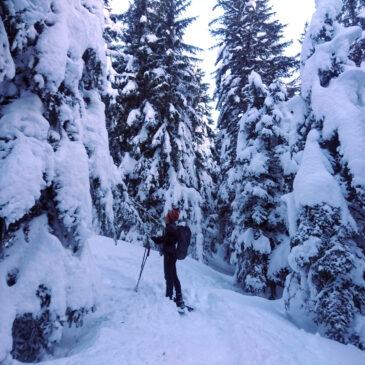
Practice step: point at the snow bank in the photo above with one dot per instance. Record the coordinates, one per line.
(36, 256)
(226, 328)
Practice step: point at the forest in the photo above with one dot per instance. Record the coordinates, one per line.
(107, 123)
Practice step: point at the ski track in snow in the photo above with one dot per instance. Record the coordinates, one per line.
(227, 328)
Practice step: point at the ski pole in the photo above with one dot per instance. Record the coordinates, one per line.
(145, 257)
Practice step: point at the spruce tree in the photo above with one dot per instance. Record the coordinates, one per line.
(157, 138)
(324, 256)
(206, 161)
(128, 222)
(57, 174)
(260, 179)
(327, 241)
(249, 38)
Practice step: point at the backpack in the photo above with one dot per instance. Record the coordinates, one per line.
(183, 242)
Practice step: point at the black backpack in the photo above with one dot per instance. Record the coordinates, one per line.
(183, 242)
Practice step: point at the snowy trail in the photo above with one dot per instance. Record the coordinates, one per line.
(227, 328)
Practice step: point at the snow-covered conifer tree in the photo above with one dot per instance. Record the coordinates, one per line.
(327, 284)
(127, 219)
(259, 242)
(157, 140)
(133, 45)
(56, 175)
(206, 159)
(353, 13)
(249, 39)
(321, 30)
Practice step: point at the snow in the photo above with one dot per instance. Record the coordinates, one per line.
(130, 88)
(7, 67)
(346, 118)
(151, 38)
(314, 183)
(73, 188)
(42, 259)
(226, 327)
(302, 254)
(332, 89)
(297, 109)
(57, 45)
(279, 257)
(133, 117)
(251, 3)
(292, 213)
(23, 179)
(260, 244)
(144, 328)
(325, 9)
(255, 79)
(149, 113)
(57, 174)
(95, 139)
(159, 136)
(127, 165)
(325, 54)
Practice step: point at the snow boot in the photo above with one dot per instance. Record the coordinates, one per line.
(181, 307)
(179, 301)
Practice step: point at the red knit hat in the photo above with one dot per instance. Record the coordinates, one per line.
(173, 215)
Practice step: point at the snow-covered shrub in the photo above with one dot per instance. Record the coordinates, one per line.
(56, 171)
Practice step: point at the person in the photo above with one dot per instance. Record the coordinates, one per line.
(168, 241)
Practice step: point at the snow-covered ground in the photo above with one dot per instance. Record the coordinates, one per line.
(227, 327)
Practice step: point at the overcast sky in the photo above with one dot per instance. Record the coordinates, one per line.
(294, 13)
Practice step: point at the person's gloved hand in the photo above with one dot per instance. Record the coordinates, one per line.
(156, 240)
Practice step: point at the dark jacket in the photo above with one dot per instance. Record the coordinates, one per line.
(169, 239)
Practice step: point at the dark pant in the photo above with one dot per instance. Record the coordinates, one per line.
(172, 281)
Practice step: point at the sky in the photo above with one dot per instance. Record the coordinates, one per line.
(294, 13)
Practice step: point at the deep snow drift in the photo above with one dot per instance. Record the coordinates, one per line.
(227, 327)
